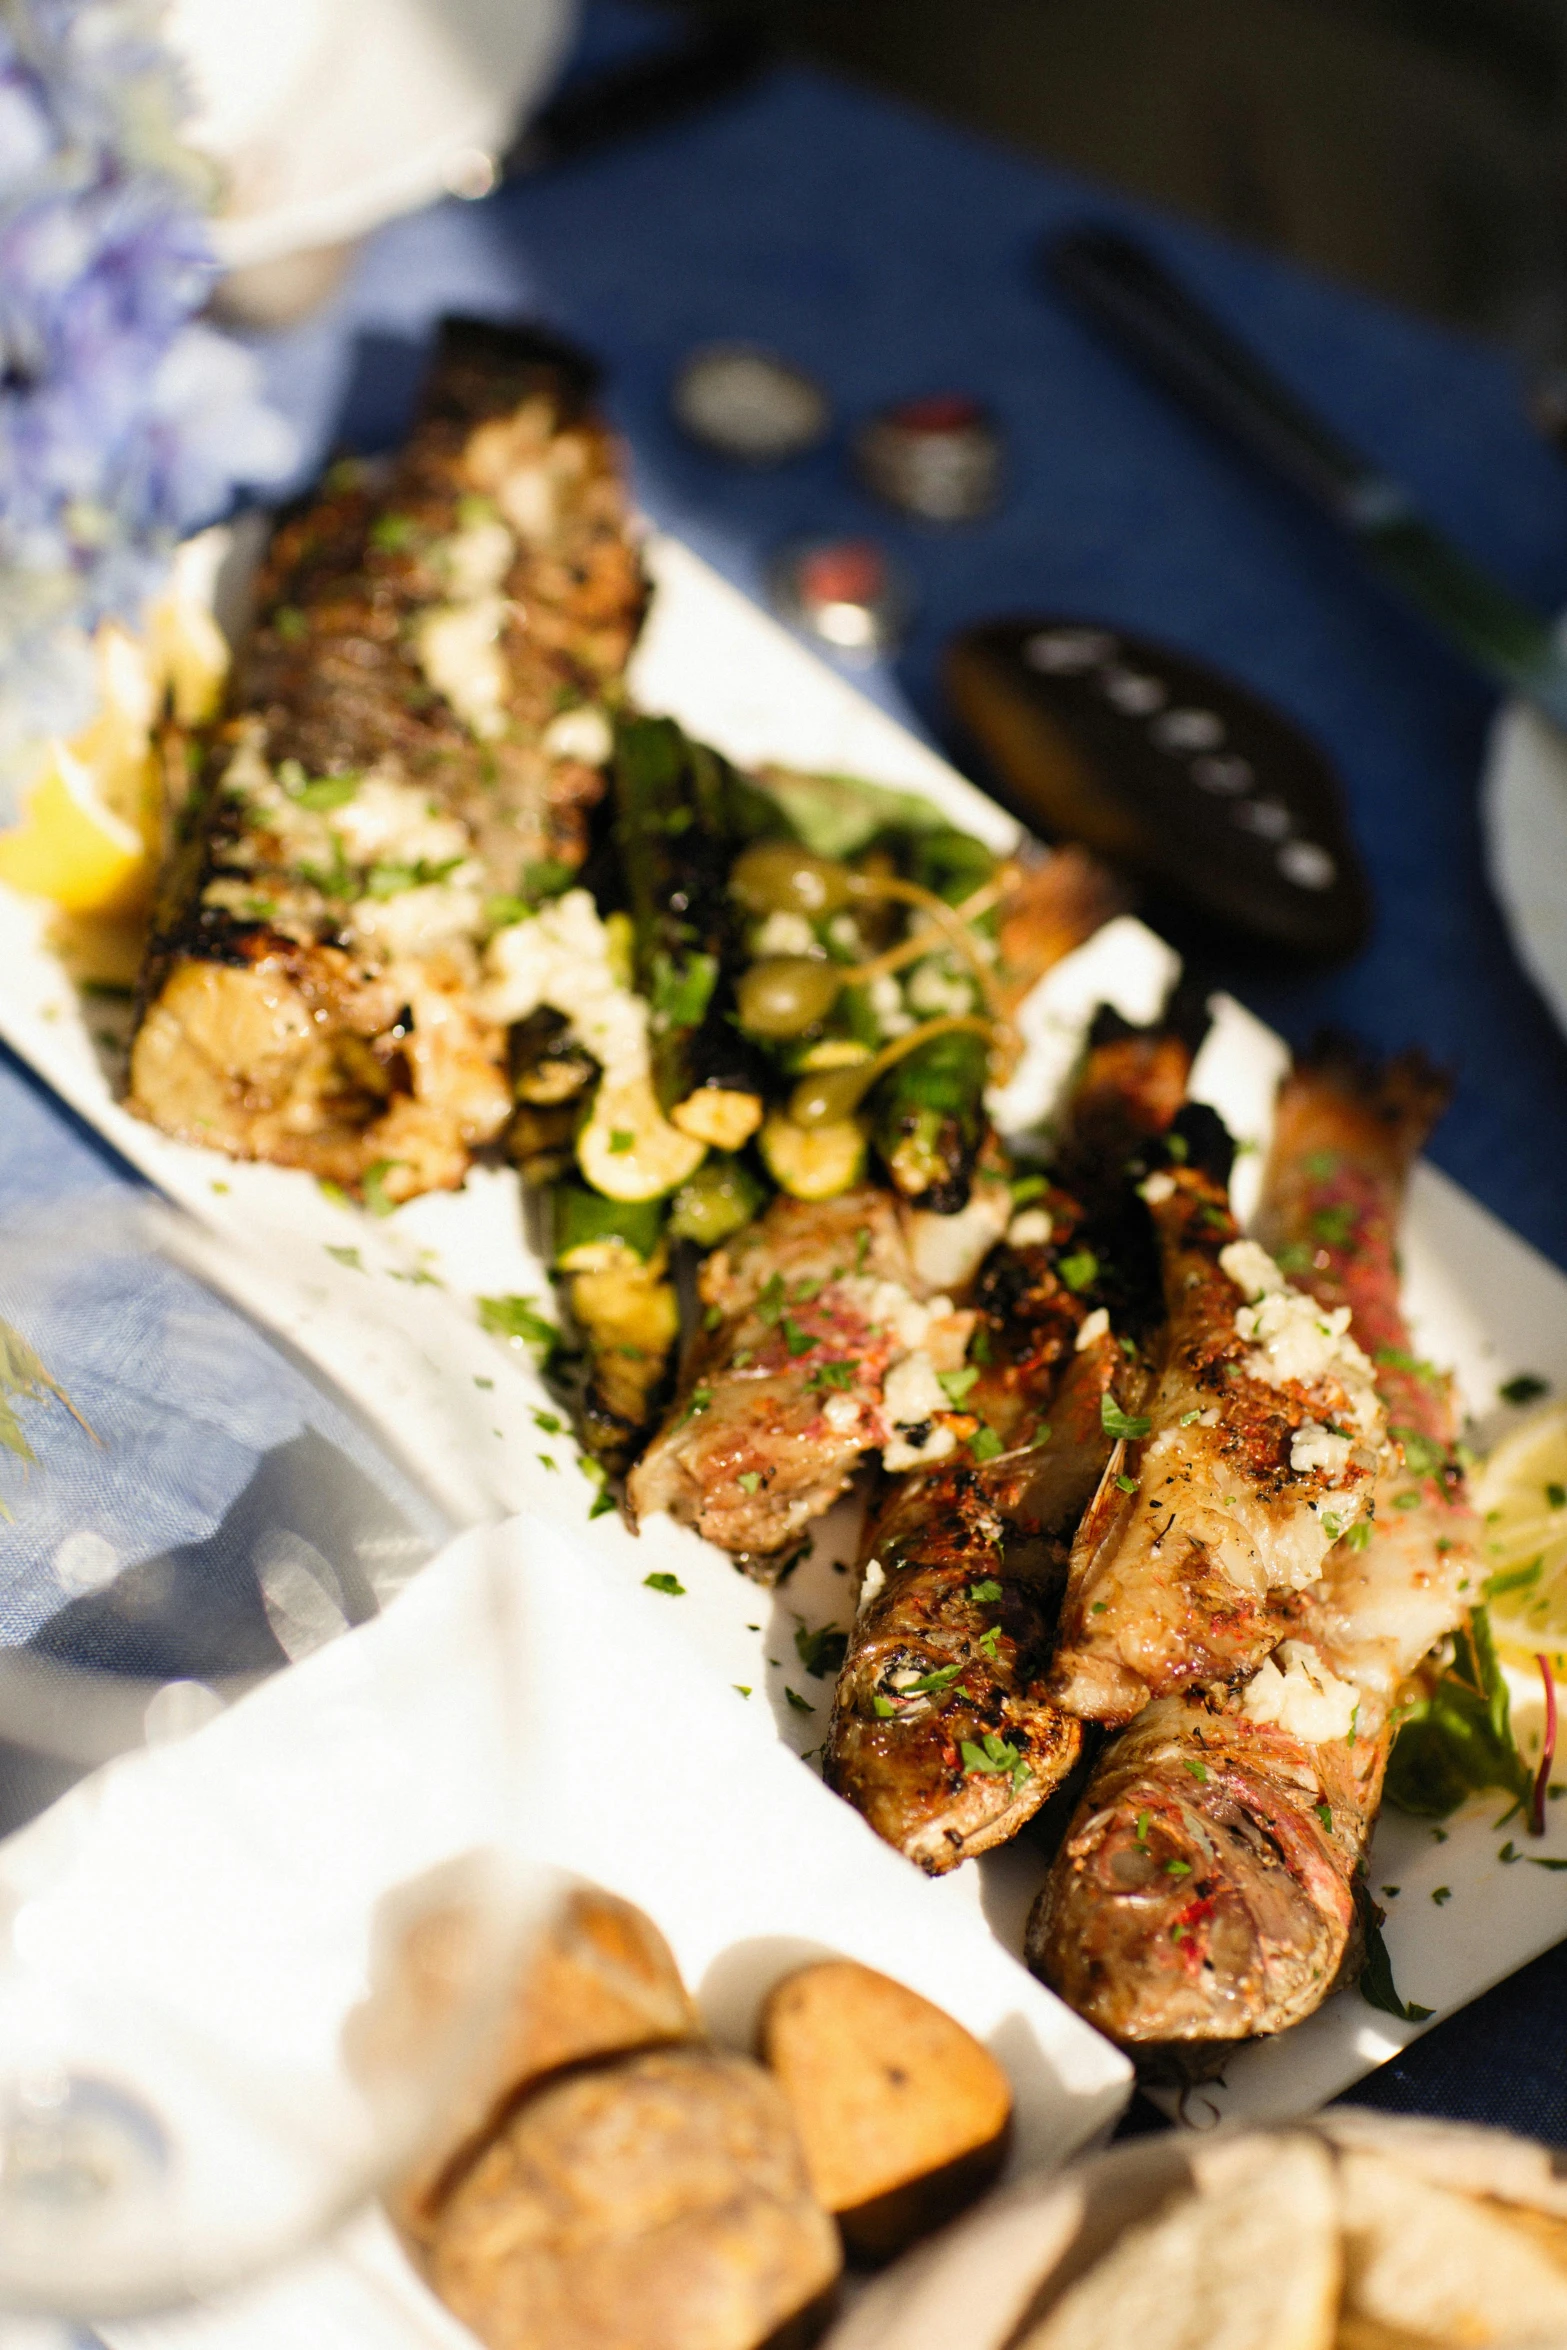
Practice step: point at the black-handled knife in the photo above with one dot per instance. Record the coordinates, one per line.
(1118, 284)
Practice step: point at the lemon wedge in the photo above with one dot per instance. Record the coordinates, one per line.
(72, 846)
(1521, 1494)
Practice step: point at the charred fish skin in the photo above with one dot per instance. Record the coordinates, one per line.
(1207, 1890)
(1257, 1451)
(415, 728)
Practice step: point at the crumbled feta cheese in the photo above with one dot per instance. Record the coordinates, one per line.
(458, 650)
(1252, 1270)
(423, 920)
(785, 934)
(561, 956)
(887, 1305)
(912, 1392)
(1316, 1450)
(392, 823)
(527, 498)
(1158, 1188)
(946, 1251)
(584, 733)
(1303, 1698)
(886, 1001)
(844, 932)
(1095, 1326)
(841, 1413)
(936, 989)
(1293, 1339)
(874, 1580)
(899, 1456)
(475, 559)
(1030, 1228)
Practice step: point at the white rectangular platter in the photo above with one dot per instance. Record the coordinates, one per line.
(386, 1308)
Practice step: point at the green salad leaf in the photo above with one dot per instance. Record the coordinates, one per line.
(1459, 1738)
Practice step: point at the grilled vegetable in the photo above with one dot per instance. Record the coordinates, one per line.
(813, 1162)
(715, 1202)
(929, 1118)
(393, 761)
(584, 1224)
(627, 1312)
(682, 814)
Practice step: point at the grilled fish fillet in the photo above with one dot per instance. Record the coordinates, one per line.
(1206, 1892)
(418, 720)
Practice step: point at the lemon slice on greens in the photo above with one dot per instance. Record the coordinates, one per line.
(1520, 1492)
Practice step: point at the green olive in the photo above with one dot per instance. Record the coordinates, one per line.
(827, 1096)
(776, 877)
(784, 995)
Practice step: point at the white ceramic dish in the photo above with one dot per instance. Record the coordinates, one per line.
(390, 1315)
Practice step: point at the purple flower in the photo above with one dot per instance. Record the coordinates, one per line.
(123, 423)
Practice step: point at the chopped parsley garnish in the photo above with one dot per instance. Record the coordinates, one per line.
(621, 1140)
(1199, 1770)
(1115, 1422)
(1079, 1269)
(1319, 1165)
(1187, 1418)
(1527, 1387)
(546, 1460)
(979, 1345)
(770, 1305)
(1334, 1226)
(993, 1756)
(548, 1422)
(1398, 1358)
(989, 1642)
(1423, 1456)
(748, 1480)
(1556, 1497)
(740, 1688)
(290, 624)
(346, 1256)
(984, 1444)
(328, 1190)
(322, 793)
(1127, 1484)
(1177, 1868)
(821, 1652)
(389, 533)
(1377, 1987)
(798, 1341)
(680, 997)
(1359, 1534)
(1519, 1579)
(518, 1318)
(373, 1182)
(803, 1292)
(1027, 1187)
(390, 881)
(1142, 1827)
(1441, 1895)
(932, 1683)
(800, 1704)
(839, 1375)
(882, 1707)
(701, 1397)
(1509, 1852)
(1324, 1812)
(1406, 1501)
(985, 1592)
(671, 1585)
(1177, 1149)
(955, 1385)
(544, 877)
(602, 1503)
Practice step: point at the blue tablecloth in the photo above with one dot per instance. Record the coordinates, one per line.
(891, 255)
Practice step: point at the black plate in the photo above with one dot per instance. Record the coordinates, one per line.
(1171, 770)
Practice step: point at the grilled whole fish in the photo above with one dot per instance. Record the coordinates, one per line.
(415, 730)
(1206, 1892)
(943, 1733)
(1219, 1506)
